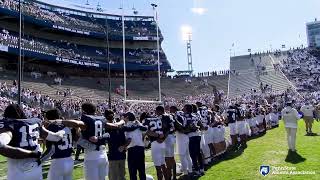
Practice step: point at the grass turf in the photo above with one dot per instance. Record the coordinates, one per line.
(270, 149)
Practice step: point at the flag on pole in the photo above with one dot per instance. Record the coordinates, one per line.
(283, 46)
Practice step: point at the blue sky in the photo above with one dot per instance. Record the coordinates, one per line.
(255, 24)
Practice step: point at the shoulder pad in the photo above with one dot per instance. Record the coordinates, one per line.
(92, 117)
(152, 119)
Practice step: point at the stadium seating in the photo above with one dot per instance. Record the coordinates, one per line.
(88, 88)
(252, 72)
(82, 23)
(73, 51)
(243, 76)
(79, 27)
(301, 67)
(270, 76)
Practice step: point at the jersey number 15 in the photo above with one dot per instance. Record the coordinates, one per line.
(29, 135)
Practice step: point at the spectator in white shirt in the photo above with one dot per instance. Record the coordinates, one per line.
(290, 117)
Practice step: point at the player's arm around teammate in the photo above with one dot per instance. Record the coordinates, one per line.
(14, 152)
(135, 147)
(61, 166)
(25, 135)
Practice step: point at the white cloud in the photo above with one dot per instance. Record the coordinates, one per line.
(199, 11)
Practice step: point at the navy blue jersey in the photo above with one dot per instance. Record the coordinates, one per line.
(167, 123)
(117, 139)
(241, 112)
(25, 132)
(63, 148)
(95, 126)
(214, 121)
(179, 121)
(192, 121)
(232, 115)
(205, 116)
(155, 125)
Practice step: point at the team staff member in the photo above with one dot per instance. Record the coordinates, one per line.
(308, 112)
(117, 158)
(135, 146)
(290, 117)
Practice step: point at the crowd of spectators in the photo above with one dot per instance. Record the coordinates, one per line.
(84, 24)
(213, 73)
(70, 105)
(71, 51)
(303, 69)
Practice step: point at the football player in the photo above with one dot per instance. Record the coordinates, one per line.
(156, 136)
(61, 166)
(241, 126)
(194, 124)
(232, 115)
(206, 137)
(268, 117)
(218, 132)
(274, 116)
(93, 139)
(260, 116)
(182, 140)
(168, 128)
(252, 122)
(21, 134)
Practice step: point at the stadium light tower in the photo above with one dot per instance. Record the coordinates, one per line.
(186, 31)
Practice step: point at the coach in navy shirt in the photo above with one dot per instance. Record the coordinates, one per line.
(116, 158)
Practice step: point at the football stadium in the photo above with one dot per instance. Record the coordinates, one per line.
(96, 90)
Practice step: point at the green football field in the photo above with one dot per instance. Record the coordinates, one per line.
(270, 149)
